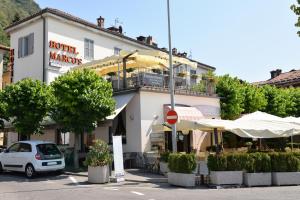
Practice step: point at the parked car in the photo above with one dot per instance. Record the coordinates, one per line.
(32, 157)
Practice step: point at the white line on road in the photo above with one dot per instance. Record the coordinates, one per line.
(111, 188)
(137, 193)
(73, 180)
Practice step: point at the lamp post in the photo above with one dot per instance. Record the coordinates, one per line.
(171, 84)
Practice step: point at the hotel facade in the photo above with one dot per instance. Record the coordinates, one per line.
(51, 42)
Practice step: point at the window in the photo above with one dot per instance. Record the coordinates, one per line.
(117, 51)
(14, 148)
(25, 147)
(48, 151)
(62, 138)
(26, 45)
(88, 49)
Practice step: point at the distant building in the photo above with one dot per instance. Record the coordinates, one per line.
(286, 79)
(3, 50)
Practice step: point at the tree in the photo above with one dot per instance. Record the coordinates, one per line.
(232, 96)
(296, 10)
(254, 98)
(81, 98)
(26, 103)
(2, 111)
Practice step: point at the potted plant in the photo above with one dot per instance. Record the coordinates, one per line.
(226, 169)
(98, 159)
(181, 169)
(163, 164)
(258, 170)
(285, 169)
(181, 74)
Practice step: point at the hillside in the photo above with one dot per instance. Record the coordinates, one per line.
(11, 10)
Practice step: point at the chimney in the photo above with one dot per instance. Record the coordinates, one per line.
(141, 38)
(275, 73)
(149, 40)
(100, 22)
(174, 51)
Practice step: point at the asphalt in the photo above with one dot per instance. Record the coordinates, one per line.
(14, 186)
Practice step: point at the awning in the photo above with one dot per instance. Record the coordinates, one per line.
(121, 103)
(186, 113)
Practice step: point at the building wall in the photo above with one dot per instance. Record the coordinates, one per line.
(151, 104)
(32, 65)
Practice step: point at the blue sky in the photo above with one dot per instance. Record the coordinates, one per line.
(244, 38)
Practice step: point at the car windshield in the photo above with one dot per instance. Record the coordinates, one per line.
(48, 151)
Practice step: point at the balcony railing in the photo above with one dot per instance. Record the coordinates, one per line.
(158, 82)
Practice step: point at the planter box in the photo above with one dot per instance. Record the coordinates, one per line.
(258, 179)
(98, 174)
(226, 177)
(163, 167)
(286, 178)
(179, 179)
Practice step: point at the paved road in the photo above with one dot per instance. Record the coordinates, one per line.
(64, 187)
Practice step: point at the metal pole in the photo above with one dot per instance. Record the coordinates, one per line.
(174, 135)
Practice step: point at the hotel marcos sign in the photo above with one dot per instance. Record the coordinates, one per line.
(61, 54)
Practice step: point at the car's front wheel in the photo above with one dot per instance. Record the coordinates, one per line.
(29, 171)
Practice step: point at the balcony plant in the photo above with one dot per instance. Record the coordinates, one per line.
(285, 168)
(98, 159)
(194, 76)
(163, 164)
(181, 169)
(226, 169)
(258, 170)
(181, 74)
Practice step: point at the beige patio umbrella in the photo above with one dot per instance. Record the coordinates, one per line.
(136, 59)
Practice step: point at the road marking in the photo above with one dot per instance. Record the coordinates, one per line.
(137, 193)
(73, 180)
(111, 188)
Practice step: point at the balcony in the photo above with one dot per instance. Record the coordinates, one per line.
(148, 81)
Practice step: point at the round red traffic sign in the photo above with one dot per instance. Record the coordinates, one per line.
(172, 117)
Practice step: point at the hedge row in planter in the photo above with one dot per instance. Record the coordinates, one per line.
(182, 163)
(255, 162)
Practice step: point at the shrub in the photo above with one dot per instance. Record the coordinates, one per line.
(285, 162)
(258, 162)
(98, 155)
(217, 162)
(182, 163)
(236, 162)
(164, 157)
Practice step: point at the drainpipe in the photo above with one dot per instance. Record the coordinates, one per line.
(44, 49)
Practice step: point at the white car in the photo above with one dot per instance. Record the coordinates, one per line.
(32, 157)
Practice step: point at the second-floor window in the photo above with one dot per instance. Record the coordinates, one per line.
(88, 49)
(26, 45)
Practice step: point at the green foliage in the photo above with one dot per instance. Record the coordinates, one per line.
(199, 87)
(296, 9)
(81, 98)
(236, 162)
(232, 97)
(164, 157)
(182, 163)
(2, 111)
(217, 162)
(98, 155)
(26, 103)
(254, 98)
(11, 10)
(258, 162)
(285, 162)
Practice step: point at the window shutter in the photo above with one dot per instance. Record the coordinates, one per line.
(92, 49)
(20, 47)
(30, 44)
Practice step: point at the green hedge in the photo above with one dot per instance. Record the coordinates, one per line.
(182, 163)
(255, 162)
(164, 157)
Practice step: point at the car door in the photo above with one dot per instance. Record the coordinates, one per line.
(24, 155)
(9, 157)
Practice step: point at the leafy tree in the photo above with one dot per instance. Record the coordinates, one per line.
(81, 98)
(254, 98)
(26, 103)
(232, 95)
(296, 9)
(277, 101)
(2, 111)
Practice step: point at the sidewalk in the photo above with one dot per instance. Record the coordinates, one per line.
(133, 175)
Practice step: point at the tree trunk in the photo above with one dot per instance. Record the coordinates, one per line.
(76, 150)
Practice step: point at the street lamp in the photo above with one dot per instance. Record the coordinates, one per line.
(174, 135)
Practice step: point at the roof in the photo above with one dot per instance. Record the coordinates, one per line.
(284, 79)
(5, 48)
(91, 25)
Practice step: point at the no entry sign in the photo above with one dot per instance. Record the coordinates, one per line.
(172, 117)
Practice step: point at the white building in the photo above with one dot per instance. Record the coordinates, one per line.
(49, 43)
